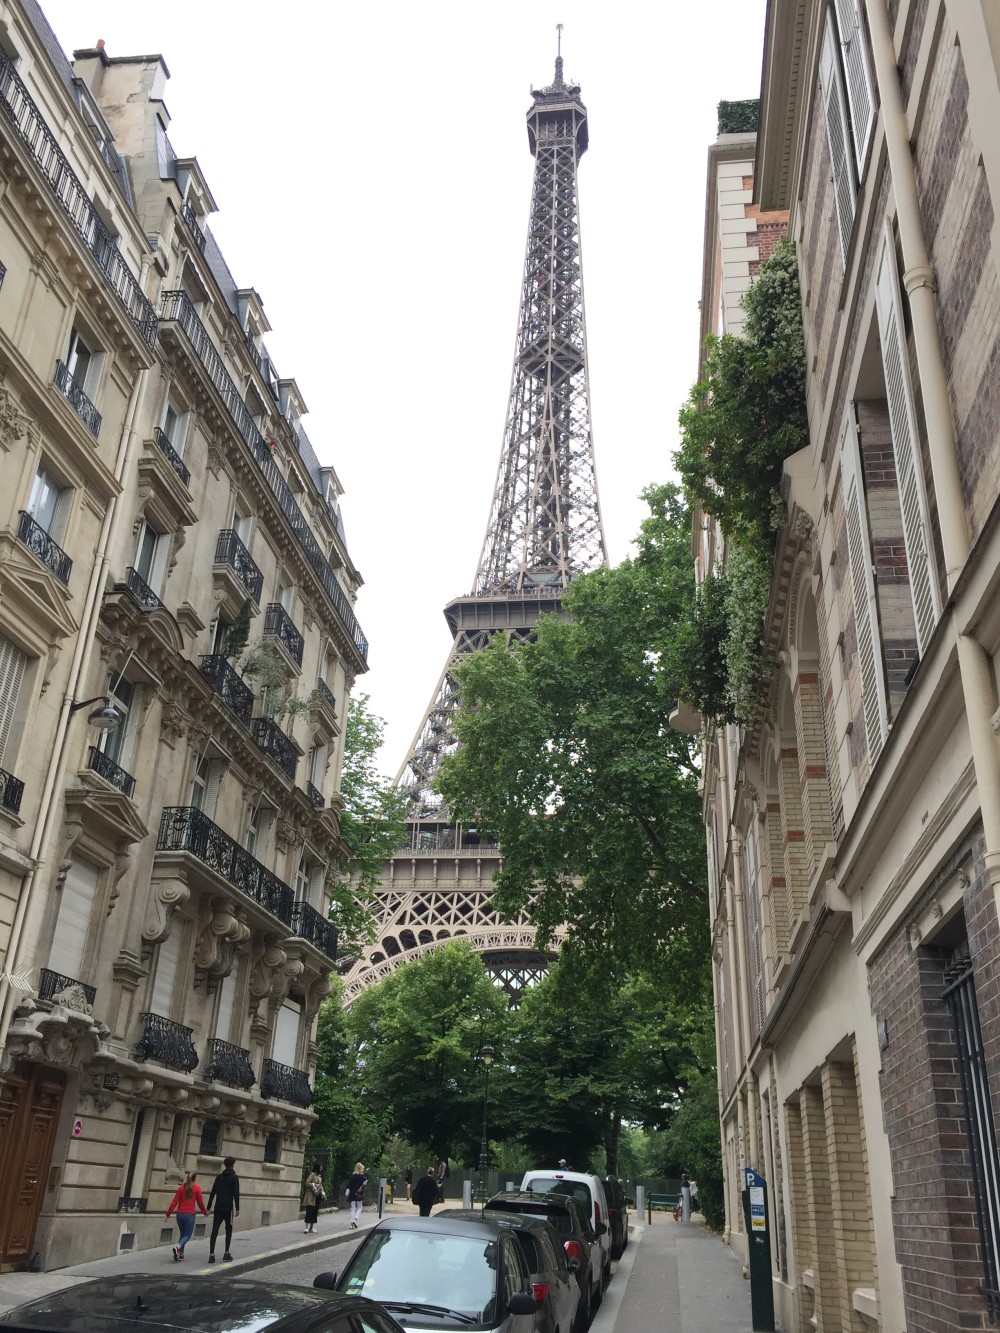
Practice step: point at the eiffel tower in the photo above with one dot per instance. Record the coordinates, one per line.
(544, 529)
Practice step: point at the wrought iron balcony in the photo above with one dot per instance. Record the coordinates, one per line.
(110, 771)
(273, 741)
(177, 305)
(229, 687)
(39, 543)
(310, 925)
(128, 1204)
(141, 591)
(171, 455)
(166, 1042)
(53, 985)
(40, 143)
(11, 791)
(255, 355)
(193, 226)
(279, 625)
(229, 550)
(286, 1084)
(230, 1064)
(185, 829)
(77, 399)
(316, 796)
(326, 694)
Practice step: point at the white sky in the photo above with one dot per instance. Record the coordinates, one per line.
(371, 166)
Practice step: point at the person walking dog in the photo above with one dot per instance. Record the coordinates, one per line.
(315, 1196)
(425, 1193)
(187, 1198)
(226, 1196)
(356, 1193)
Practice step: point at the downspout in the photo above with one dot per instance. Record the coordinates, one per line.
(741, 944)
(918, 280)
(78, 671)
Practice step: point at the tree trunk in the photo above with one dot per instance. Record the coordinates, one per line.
(612, 1136)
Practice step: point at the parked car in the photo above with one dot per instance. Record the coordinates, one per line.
(589, 1192)
(572, 1225)
(442, 1272)
(556, 1290)
(212, 1304)
(614, 1192)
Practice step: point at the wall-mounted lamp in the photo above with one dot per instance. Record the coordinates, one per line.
(104, 719)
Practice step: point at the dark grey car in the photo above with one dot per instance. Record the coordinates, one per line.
(579, 1242)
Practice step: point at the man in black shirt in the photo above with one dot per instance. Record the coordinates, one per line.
(226, 1195)
(425, 1193)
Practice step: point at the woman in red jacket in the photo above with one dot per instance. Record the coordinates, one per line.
(185, 1200)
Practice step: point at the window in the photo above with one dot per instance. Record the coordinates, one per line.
(76, 902)
(167, 961)
(211, 1139)
(175, 425)
(80, 361)
(303, 879)
(178, 1140)
(227, 1002)
(860, 92)
(831, 79)
(49, 503)
(317, 766)
(515, 1278)
(205, 785)
(12, 664)
(222, 628)
(117, 744)
(138, 1158)
(286, 596)
(151, 556)
(272, 1147)
(241, 525)
(286, 1033)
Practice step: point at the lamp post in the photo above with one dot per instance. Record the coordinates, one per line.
(486, 1055)
(104, 719)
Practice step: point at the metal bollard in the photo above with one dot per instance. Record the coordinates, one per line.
(685, 1203)
(640, 1200)
(381, 1196)
(466, 1193)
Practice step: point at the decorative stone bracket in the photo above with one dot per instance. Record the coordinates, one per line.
(220, 933)
(166, 894)
(56, 1035)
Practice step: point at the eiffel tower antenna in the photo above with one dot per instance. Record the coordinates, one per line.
(544, 530)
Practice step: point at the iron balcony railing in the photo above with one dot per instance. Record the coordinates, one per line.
(39, 543)
(316, 796)
(186, 829)
(255, 355)
(141, 591)
(229, 687)
(129, 1204)
(226, 1063)
(326, 694)
(53, 984)
(269, 737)
(166, 1042)
(286, 1084)
(310, 925)
(77, 399)
(171, 455)
(19, 107)
(11, 791)
(113, 160)
(229, 550)
(279, 625)
(111, 772)
(177, 306)
(3, 273)
(194, 227)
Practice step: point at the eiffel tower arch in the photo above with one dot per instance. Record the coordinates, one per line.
(544, 530)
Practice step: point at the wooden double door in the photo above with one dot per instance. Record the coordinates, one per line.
(30, 1102)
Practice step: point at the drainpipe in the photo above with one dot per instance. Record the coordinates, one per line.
(741, 945)
(78, 672)
(918, 279)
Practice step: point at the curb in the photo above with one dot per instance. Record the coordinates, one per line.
(293, 1251)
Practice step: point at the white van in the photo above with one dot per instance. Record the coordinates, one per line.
(588, 1191)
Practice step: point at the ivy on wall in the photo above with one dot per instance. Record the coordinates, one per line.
(739, 117)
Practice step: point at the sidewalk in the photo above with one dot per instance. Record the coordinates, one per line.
(677, 1278)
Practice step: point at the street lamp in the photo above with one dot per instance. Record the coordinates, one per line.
(486, 1055)
(104, 719)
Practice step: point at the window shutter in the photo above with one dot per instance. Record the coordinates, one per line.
(834, 104)
(860, 91)
(215, 771)
(167, 960)
(909, 468)
(75, 906)
(859, 551)
(227, 996)
(12, 664)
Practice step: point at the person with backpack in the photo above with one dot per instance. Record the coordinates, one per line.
(187, 1198)
(226, 1196)
(356, 1192)
(314, 1196)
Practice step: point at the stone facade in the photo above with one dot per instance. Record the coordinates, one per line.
(854, 828)
(163, 902)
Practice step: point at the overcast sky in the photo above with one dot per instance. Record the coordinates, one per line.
(371, 167)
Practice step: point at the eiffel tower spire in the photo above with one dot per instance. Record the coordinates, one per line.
(544, 526)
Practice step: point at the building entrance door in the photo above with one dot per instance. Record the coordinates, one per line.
(30, 1102)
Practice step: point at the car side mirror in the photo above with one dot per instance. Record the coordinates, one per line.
(328, 1281)
(601, 1228)
(523, 1302)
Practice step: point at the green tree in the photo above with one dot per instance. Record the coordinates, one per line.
(238, 634)
(567, 757)
(416, 1037)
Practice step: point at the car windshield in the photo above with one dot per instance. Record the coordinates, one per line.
(427, 1268)
(571, 1189)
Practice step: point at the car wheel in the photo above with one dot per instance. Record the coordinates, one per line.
(582, 1314)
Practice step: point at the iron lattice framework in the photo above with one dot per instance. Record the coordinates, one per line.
(544, 530)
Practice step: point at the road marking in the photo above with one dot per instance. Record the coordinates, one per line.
(606, 1317)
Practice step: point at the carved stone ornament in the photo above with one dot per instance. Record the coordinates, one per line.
(174, 722)
(58, 1036)
(287, 835)
(268, 956)
(13, 424)
(73, 997)
(220, 934)
(285, 977)
(165, 896)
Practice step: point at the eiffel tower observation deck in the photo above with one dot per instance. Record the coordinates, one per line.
(544, 530)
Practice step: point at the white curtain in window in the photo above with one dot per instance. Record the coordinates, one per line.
(227, 997)
(167, 961)
(286, 1034)
(12, 664)
(75, 906)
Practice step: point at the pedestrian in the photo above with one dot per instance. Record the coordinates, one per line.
(226, 1196)
(563, 1164)
(187, 1198)
(408, 1179)
(356, 1193)
(425, 1193)
(441, 1175)
(314, 1196)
